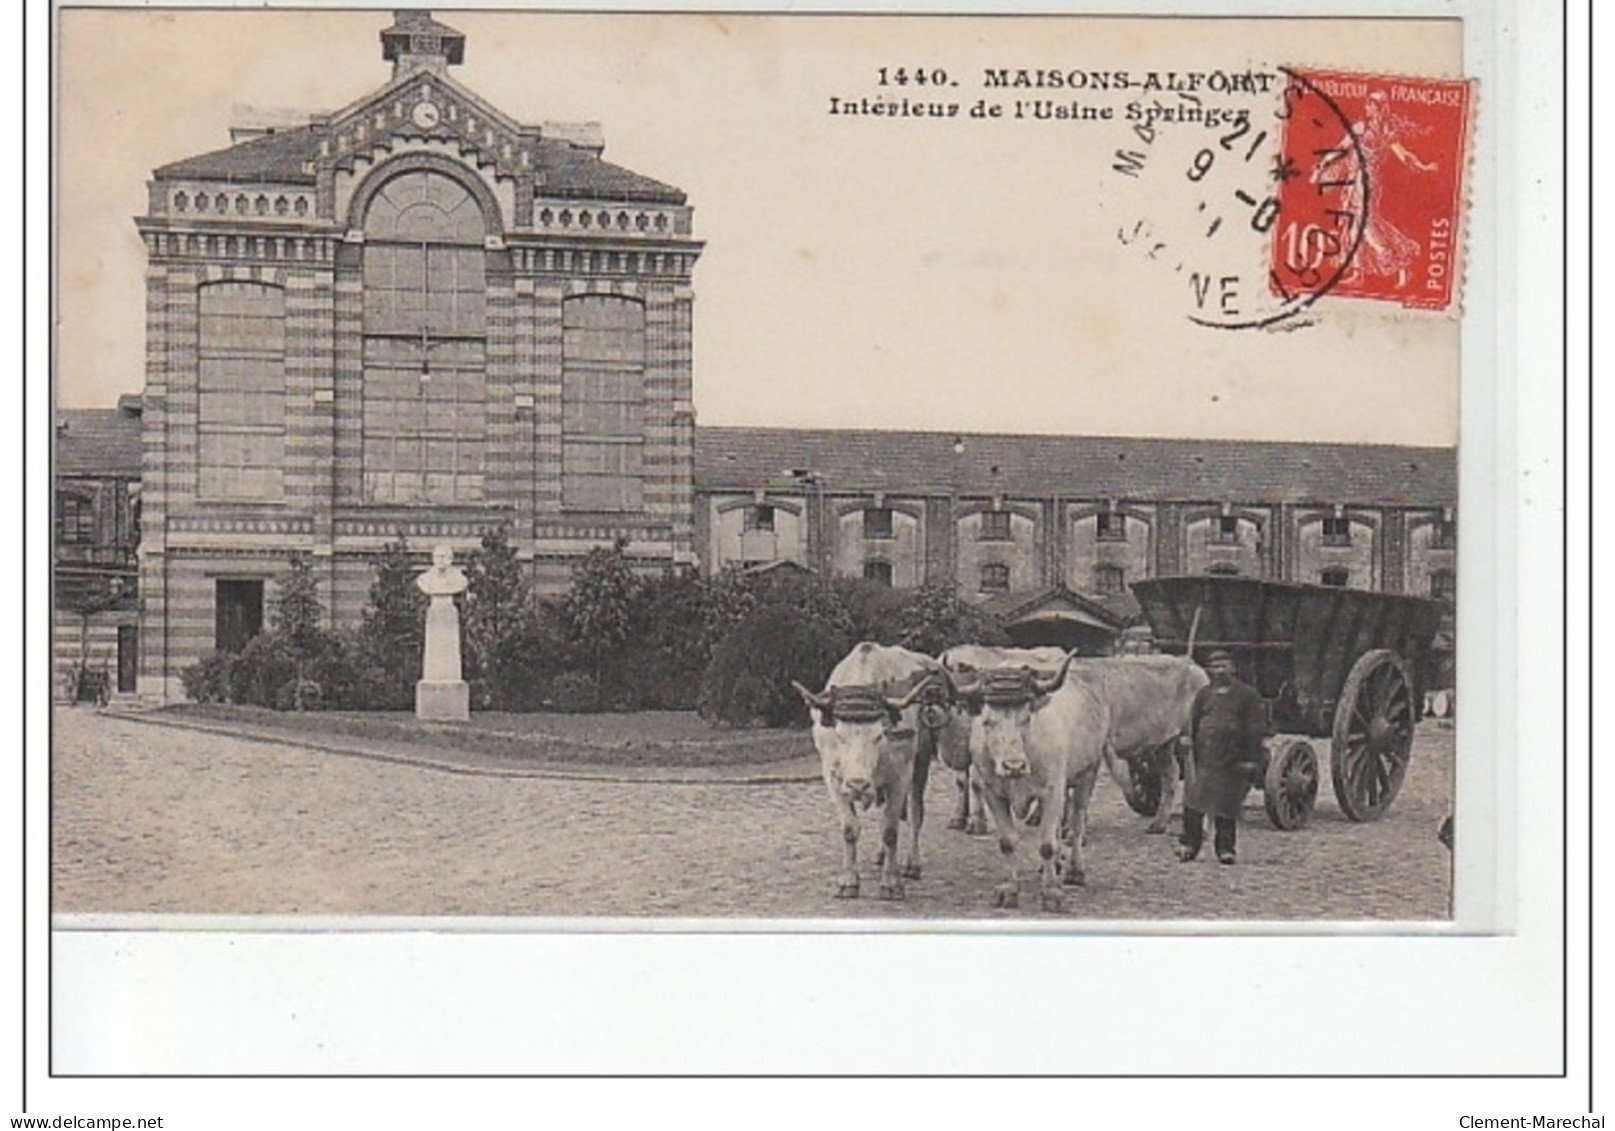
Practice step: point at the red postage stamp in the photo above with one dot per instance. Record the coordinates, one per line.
(1372, 210)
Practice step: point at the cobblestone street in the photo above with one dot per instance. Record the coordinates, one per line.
(149, 818)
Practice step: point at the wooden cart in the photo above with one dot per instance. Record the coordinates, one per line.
(1341, 664)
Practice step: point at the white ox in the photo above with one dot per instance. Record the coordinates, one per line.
(864, 727)
(1148, 700)
(1036, 741)
(952, 746)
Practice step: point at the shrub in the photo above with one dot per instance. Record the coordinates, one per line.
(497, 614)
(387, 650)
(598, 610)
(210, 679)
(749, 678)
(575, 692)
(666, 652)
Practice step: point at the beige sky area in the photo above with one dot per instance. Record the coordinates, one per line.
(860, 270)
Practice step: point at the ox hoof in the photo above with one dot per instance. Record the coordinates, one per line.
(909, 871)
(958, 824)
(1072, 878)
(1156, 827)
(892, 892)
(976, 826)
(847, 891)
(1053, 900)
(1006, 895)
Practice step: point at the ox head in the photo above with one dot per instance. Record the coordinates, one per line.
(854, 728)
(1000, 702)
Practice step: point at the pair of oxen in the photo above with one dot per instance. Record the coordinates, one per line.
(1027, 729)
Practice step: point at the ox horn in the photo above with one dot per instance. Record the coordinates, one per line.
(1048, 685)
(821, 702)
(914, 693)
(959, 685)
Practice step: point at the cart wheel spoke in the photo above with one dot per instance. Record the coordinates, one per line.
(1373, 734)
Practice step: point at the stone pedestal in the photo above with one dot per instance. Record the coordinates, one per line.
(446, 701)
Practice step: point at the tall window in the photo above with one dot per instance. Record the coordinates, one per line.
(425, 342)
(75, 519)
(241, 377)
(759, 518)
(1227, 528)
(603, 404)
(878, 522)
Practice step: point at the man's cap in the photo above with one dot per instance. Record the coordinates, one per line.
(1216, 655)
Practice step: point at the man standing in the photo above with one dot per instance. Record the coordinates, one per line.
(1228, 723)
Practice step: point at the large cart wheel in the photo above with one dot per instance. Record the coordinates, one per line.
(1373, 735)
(1144, 793)
(1290, 786)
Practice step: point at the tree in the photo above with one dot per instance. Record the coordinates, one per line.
(298, 611)
(391, 630)
(498, 617)
(934, 618)
(599, 609)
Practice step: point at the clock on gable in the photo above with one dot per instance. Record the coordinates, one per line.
(426, 115)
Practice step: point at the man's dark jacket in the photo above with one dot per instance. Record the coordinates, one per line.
(1228, 724)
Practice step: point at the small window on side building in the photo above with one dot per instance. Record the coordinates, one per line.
(995, 577)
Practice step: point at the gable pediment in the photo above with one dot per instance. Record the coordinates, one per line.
(429, 107)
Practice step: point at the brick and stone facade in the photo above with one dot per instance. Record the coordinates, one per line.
(1078, 519)
(303, 283)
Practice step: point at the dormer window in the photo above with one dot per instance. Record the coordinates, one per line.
(1112, 526)
(995, 526)
(878, 522)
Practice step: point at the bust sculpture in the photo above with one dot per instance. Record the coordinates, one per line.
(441, 692)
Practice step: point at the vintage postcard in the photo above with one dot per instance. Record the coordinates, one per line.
(556, 471)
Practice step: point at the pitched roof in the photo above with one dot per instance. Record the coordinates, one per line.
(283, 155)
(99, 441)
(573, 171)
(1089, 466)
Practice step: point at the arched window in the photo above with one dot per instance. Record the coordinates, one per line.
(602, 403)
(425, 341)
(241, 378)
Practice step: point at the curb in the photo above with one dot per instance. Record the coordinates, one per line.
(765, 773)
